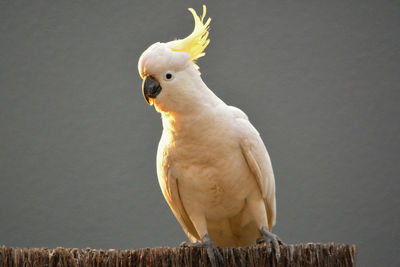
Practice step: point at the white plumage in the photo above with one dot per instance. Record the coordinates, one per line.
(212, 165)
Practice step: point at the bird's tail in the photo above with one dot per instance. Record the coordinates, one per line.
(271, 213)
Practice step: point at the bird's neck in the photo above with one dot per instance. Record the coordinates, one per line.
(191, 123)
(186, 122)
(196, 111)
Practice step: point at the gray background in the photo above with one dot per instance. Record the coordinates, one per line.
(319, 80)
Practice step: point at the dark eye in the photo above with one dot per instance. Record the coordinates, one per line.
(168, 76)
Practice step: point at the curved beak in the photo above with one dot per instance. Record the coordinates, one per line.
(150, 88)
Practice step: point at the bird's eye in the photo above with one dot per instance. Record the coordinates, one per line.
(168, 76)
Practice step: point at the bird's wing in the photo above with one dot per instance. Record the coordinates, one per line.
(258, 160)
(170, 189)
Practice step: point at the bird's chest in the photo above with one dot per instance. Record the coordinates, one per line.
(210, 176)
(202, 161)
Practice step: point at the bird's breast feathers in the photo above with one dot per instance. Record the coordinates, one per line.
(209, 167)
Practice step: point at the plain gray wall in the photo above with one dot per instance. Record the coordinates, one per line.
(318, 79)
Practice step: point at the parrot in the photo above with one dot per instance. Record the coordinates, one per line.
(212, 165)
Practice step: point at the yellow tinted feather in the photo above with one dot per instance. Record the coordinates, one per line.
(197, 41)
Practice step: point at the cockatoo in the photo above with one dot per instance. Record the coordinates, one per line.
(212, 165)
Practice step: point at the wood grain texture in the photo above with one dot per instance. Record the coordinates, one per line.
(312, 254)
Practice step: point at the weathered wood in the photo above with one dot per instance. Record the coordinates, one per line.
(291, 255)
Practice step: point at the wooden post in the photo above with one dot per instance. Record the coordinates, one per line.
(291, 255)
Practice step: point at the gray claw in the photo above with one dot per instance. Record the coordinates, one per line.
(271, 240)
(186, 244)
(212, 250)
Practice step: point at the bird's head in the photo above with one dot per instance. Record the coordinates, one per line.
(168, 70)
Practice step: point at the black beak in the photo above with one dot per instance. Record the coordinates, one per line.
(150, 88)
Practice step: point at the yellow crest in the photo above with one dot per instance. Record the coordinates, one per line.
(197, 41)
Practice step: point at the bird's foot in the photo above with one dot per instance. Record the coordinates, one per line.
(271, 240)
(212, 250)
(186, 244)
